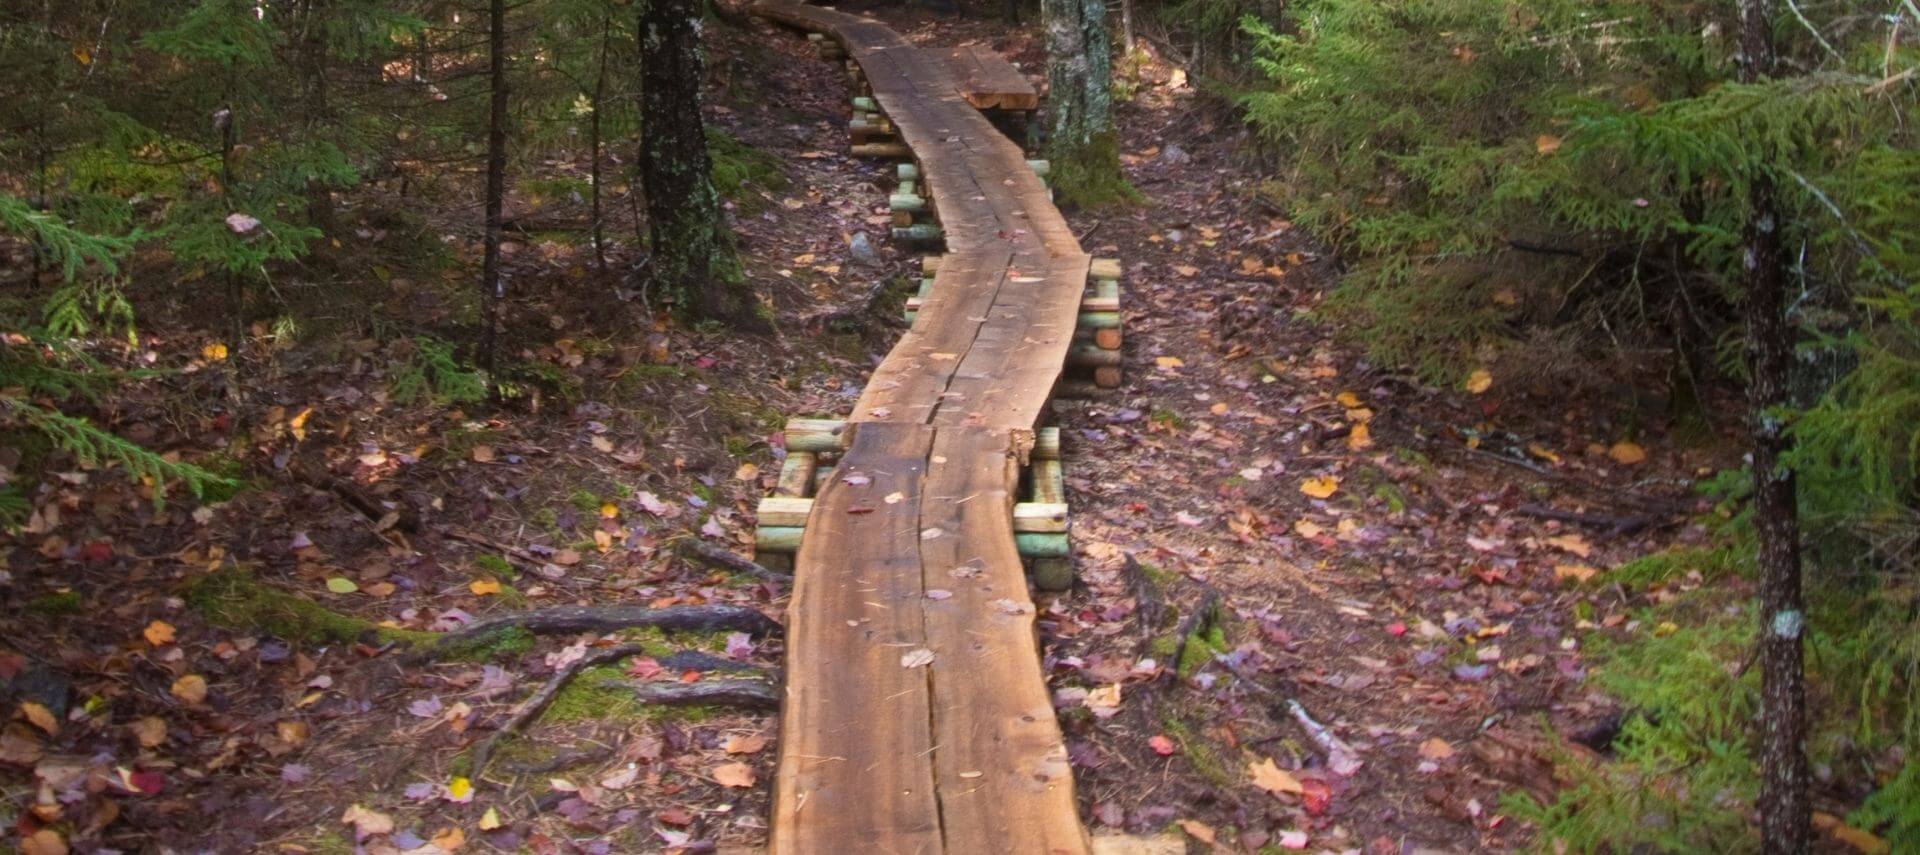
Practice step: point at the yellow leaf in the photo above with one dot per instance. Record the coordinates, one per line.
(1348, 400)
(484, 587)
(1540, 451)
(1168, 361)
(459, 788)
(490, 820)
(1272, 778)
(1479, 381)
(603, 445)
(151, 731)
(1360, 438)
(291, 731)
(214, 352)
(1320, 487)
(39, 716)
(746, 472)
(298, 424)
(1436, 749)
(159, 633)
(1571, 543)
(191, 688)
(602, 539)
(609, 511)
(1546, 144)
(46, 841)
(1626, 453)
(482, 454)
(1308, 529)
(367, 823)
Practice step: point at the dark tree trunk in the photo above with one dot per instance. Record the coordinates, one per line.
(693, 260)
(313, 58)
(491, 285)
(1785, 814)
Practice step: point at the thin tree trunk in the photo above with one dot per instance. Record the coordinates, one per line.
(1080, 138)
(492, 287)
(314, 60)
(1785, 813)
(599, 98)
(693, 256)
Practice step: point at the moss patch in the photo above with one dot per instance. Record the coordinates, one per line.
(1089, 175)
(236, 600)
(56, 604)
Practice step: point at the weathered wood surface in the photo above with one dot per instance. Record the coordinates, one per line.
(987, 80)
(915, 723)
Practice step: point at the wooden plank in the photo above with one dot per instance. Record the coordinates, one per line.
(909, 384)
(859, 782)
(1000, 766)
(1007, 377)
(988, 80)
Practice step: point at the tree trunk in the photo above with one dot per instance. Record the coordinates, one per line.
(599, 96)
(491, 286)
(1081, 145)
(693, 259)
(313, 58)
(1785, 814)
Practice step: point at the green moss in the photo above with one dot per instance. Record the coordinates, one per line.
(56, 604)
(1167, 419)
(496, 566)
(740, 169)
(1089, 175)
(234, 599)
(584, 502)
(1206, 759)
(508, 643)
(1660, 567)
(603, 693)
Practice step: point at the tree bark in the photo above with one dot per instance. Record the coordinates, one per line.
(1081, 145)
(692, 250)
(1785, 812)
(491, 285)
(599, 96)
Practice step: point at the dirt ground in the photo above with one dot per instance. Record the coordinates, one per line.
(1321, 605)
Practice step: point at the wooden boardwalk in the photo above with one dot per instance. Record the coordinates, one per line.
(916, 717)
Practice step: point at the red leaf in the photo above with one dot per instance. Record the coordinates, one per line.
(1162, 745)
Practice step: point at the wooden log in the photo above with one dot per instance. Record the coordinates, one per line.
(908, 202)
(1108, 339)
(1031, 544)
(784, 511)
(1100, 304)
(865, 105)
(907, 172)
(902, 219)
(1049, 482)
(1046, 445)
(886, 150)
(871, 125)
(1091, 356)
(930, 264)
(1107, 376)
(908, 187)
(915, 233)
(815, 435)
(1077, 390)
(796, 474)
(1040, 517)
(1098, 321)
(1040, 168)
(1104, 269)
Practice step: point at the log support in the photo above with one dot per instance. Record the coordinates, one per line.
(813, 445)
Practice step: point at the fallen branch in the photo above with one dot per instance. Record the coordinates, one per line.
(1341, 758)
(713, 556)
(1614, 525)
(515, 553)
(751, 694)
(571, 620)
(543, 698)
(1197, 621)
(400, 516)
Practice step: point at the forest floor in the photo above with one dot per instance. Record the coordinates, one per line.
(1375, 589)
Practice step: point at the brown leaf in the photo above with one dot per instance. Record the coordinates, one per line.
(159, 633)
(192, 688)
(733, 775)
(150, 731)
(1272, 778)
(1436, 749)
(39, 716)
(749, 744)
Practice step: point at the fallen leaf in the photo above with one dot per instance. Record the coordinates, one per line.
(39, 716)
(1626, 453)
(484, 587)
(1272, 778)
(1571, 543)
(291, 731)
(192, 688)
(1546, 144)
(450, 839)
(1360, 438)
(1198, 830)
(46, 841)
(1320, 487)
(746, 472)
(159, 633)
(749, 744)
(367, 823)
(214, 352)
(342, 585)
(482, 454)
(490, 820)
(460, 789)
(1436, 749)
(1576, 572)
(150, 731)
(1168, 362)
(733, 775)
(1161, 745)
(1479, 381)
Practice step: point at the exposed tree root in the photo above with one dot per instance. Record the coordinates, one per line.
(541, 699)
(568, 620)
(706, 553)
(750, 694)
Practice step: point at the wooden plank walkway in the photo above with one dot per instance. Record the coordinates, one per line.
(917, 718)
(988, 80)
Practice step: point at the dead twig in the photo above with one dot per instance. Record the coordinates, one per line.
(512, 552)
(543, 698)
(749, 694)
(1614, 525)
